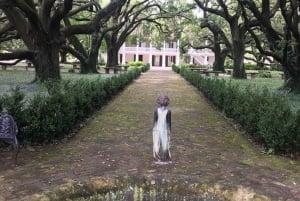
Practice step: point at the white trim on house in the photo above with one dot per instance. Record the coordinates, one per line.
(164, 57)
(202, 57)
(145, 52)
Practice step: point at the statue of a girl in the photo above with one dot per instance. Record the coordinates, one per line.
(162, 130)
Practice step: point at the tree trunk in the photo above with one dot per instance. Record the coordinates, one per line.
(260, 61)
(63, 56)
(90, 66)
(112, 50)
(112, 57)
(219, 63)
(238, 62)
(220, 56)
(46, 63)
(291, 65)
(238, 51)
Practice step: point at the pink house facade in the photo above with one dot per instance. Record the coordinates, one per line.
(165, 56)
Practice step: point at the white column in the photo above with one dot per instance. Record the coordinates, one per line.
(123, 54)
(191, 50)
(137, 49)
(150, 55)
(178, 54)
(164, 55)
(191, 59)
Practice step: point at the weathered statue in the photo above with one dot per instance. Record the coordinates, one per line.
(8, 132)
(162, 131)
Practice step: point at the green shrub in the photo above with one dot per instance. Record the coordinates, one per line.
(254, 101)
(251, 66)
(265, 115)
(189, 66)
(218, 97)
(47, 117)
(248, 66)
(276, 67)
(175, 68)
(36, 130)
(228, 65)
(275, 121)
(1, 104)
(296, 131)
(135, 63)
(229, 92)
(265, 74)
(145, 67)
(13, 102)
(71, 70)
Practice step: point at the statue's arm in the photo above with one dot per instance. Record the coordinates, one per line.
(169, 120)
(155, 118)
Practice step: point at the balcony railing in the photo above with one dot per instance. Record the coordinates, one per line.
(202, 51)
(148, 50)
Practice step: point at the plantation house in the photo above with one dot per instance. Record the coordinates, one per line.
(165, 56)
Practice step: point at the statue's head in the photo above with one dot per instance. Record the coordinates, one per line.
(163, 100)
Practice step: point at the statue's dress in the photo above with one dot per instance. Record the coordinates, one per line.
(161, 134)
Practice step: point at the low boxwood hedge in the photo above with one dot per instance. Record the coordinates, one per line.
(264, 114)
(50, 116)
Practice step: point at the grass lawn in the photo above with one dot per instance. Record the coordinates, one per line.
(10, 79)
(273, 83)
(260, 82)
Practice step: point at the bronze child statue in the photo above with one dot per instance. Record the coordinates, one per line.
(162, 131)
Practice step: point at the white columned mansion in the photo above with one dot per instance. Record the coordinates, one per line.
(164, 57)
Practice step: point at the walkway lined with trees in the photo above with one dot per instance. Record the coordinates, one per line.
(263, 33)
(205, 148)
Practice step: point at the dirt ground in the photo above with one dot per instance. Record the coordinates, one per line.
(117, 141)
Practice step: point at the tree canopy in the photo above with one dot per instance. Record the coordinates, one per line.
(278, 22)
(38, 25)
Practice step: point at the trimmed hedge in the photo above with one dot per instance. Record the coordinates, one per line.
(139, 64)
(135, 63)
(51, 116)
(265, 115)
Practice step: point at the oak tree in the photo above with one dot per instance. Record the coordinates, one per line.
(38, 25)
